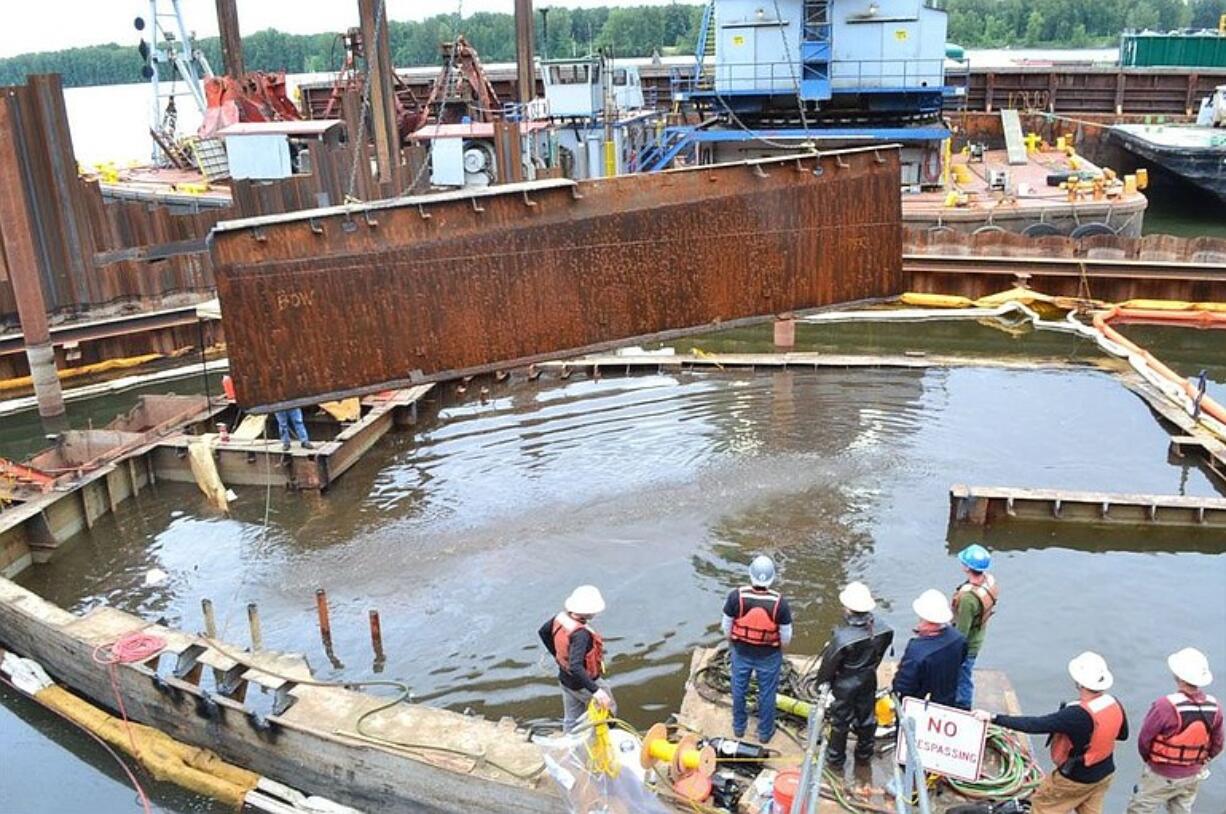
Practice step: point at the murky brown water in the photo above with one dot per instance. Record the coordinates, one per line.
(467, 533)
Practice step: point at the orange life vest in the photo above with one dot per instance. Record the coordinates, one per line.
(1189, 744)
(564, 626)
(987, 594)
(1108, 717)
(756, 625)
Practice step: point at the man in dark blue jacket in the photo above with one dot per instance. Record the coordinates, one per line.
(932, 662)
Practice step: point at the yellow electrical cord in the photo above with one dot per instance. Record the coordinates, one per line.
(600, 757)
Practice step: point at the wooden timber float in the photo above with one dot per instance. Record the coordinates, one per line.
(411, 757)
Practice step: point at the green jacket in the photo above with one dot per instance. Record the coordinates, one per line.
(967, 622)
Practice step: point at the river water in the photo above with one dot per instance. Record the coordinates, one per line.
(467, 532)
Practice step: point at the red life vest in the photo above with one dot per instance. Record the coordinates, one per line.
(1108, 717)
(987, 593)
(564, 626)
(756, 625)
(1189, 744)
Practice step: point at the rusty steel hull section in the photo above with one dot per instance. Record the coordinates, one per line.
(343, 301)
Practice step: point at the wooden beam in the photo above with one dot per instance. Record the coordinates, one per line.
(375, 42)
(231, 39)
(989, 505)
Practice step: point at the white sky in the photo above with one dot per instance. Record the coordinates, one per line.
(48, 25)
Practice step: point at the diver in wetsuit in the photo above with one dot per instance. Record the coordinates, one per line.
(849, 667)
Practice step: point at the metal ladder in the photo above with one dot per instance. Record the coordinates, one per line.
(815, 50)
(1014, 144)
(172, 50)
(704, 75)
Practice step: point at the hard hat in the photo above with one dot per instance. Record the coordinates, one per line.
(585, 601)
(856, 598)
(932, 606)
(1089, 670)
(762, 571)
(975, 557)
(1190, 665)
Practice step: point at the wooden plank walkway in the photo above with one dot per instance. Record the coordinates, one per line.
(989, 505)
(630, 363)
(263, 462)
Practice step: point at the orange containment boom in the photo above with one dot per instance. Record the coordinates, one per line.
(1207, 319)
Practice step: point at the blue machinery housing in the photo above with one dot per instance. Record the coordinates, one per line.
(776, 71)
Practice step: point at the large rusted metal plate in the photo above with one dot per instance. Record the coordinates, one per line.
(318, 305)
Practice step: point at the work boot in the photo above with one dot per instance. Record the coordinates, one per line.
(285, 446)
(307, 445)
(836, 750)
(866, 744)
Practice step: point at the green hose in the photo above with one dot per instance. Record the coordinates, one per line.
(1019, 774)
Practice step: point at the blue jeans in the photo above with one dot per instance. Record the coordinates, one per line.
(292, 416)
(767, 668)
(966, 683)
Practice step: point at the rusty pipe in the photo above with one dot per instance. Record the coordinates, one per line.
(376, 634)
(325, 622)
(253, 621)
(17, 234)
(210, 621)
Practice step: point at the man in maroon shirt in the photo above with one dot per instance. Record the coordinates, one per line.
(1182, 732)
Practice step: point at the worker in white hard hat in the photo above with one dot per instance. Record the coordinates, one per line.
(1182, 732)
(758, 623)
(849, 667)
(579, 652)
(930, 666)
(1083, 735)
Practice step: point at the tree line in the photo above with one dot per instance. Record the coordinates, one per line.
(637, 31)
(1071, 23)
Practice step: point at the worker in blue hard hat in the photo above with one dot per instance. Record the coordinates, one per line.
(974, 602)
(758, 623)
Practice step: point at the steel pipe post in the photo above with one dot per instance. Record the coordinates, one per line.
(17, 236)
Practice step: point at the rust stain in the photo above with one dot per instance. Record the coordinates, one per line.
(318, 306)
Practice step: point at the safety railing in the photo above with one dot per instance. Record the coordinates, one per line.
(888, 73)
(782, 77)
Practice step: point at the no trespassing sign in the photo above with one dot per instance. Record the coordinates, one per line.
(950, 742)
